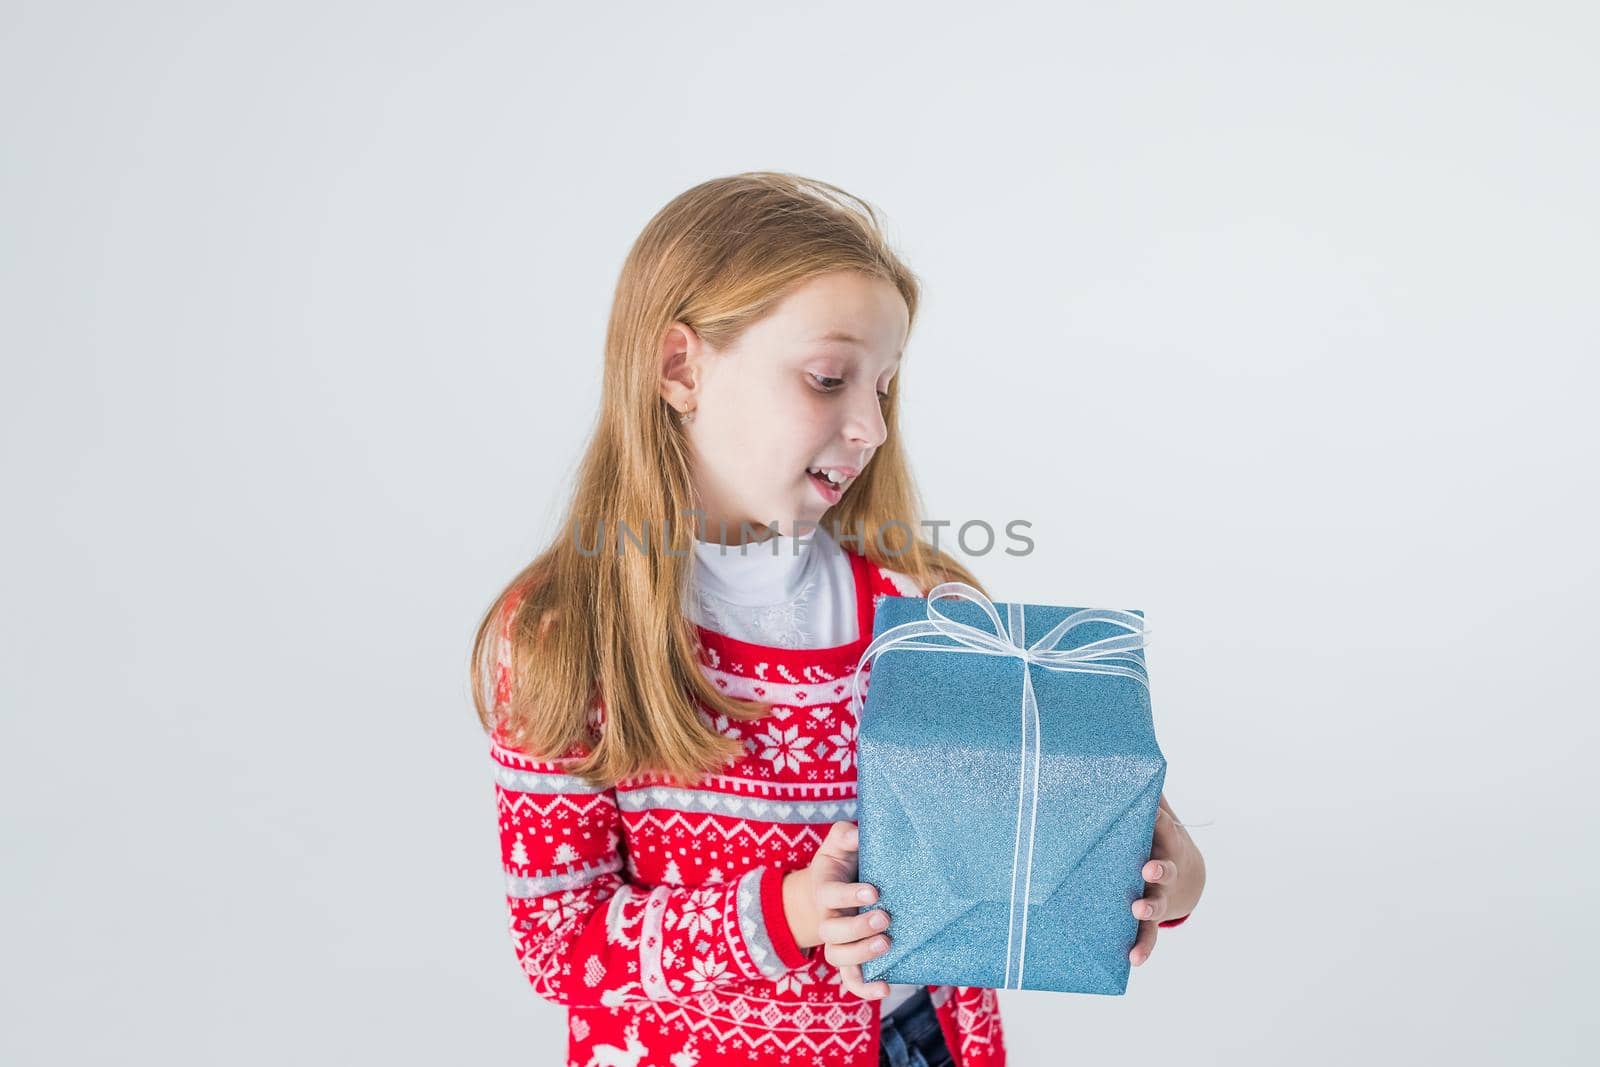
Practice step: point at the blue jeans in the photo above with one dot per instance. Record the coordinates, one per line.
(910, 1036)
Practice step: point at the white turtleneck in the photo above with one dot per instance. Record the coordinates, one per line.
(787, 592)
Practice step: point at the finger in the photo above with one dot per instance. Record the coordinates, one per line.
(857, 952)
(846, 896)
(850, 978)
(1163, 871)
(1152, 906)
(1144, 944)
(835, 859)
(841, 929)
(842, 840)
(839, 844)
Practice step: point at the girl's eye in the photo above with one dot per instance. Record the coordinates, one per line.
(830, 384)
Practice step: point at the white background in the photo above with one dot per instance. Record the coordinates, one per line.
(1276, 321)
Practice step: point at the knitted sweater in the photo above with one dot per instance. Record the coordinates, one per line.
(794, 592)
(654, 911)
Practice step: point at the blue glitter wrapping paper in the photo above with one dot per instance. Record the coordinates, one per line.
(940, 752)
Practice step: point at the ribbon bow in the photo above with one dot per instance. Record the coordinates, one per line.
(1109, 655)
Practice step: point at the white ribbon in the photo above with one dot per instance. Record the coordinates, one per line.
(1105, 656)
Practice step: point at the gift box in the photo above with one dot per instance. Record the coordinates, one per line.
(1007, 785)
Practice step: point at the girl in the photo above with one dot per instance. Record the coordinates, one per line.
(666, 685)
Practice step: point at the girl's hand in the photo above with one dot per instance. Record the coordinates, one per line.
(850, 937)
(1176, 873)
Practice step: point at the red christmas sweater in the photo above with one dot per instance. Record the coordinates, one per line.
(654, 911)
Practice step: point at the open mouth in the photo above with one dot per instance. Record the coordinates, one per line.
(831, 481)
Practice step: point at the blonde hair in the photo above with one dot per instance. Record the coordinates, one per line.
(575, 628)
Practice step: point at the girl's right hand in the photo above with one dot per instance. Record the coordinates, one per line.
(850, 937)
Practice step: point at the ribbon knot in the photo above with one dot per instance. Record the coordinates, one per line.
(1109, 655)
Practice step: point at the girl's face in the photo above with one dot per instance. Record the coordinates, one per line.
(801, 390)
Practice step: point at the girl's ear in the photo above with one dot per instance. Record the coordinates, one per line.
(679, 360)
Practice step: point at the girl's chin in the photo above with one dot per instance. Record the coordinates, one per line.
(809, 505)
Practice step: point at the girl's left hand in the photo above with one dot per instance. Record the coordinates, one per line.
(1176, 874)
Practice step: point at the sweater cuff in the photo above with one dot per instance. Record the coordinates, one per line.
(777, 921)
(1174, 922)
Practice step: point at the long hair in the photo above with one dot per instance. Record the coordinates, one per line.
(578, 626)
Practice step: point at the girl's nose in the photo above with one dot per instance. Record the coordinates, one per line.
(866, 426)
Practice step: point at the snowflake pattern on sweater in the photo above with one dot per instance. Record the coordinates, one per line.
(654, 912)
